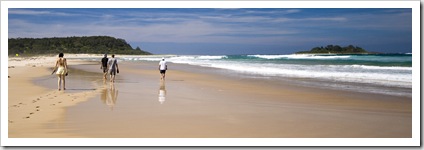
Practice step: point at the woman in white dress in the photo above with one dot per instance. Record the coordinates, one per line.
(62, 71)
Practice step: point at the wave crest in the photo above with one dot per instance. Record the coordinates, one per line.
(299, 56)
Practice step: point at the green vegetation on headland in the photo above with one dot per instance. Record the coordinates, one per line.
(336, 49)
(74, 45)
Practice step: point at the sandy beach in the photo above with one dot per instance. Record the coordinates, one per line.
(32, 106)
(191, 102)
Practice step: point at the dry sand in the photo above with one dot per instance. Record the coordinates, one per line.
(198, 105)
(31, 106)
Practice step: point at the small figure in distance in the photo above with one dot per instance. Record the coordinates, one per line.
(104, 67)
(162, 68)
(61, 68)
(113, 68)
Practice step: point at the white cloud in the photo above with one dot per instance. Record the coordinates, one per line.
(276, 12)
(37, 12)
(182, 32)
(27, 12)
(193, 28)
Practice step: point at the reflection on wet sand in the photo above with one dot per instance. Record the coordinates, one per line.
(162, 92)
(109, 96)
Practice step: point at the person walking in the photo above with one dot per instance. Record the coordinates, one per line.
(113, 68)
(104, 66)
(162, 68)
(61, 68)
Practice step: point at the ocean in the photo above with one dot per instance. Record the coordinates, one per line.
(389, 74)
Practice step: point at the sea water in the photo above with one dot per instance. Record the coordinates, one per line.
(373, 73)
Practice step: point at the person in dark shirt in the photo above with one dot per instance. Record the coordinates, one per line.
(104, 66)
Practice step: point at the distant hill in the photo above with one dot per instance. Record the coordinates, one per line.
(335, 49)
(76, 45)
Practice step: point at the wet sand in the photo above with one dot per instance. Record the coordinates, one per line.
(33, 98)
(195, 104)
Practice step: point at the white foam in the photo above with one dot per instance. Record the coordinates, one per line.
(380, 68)
(326, 72)
(387, 76)
(211, 57)
(300, 56)
(269, 56)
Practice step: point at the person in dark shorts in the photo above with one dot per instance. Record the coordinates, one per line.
(104, 66)
(162, 68)
(113, 68)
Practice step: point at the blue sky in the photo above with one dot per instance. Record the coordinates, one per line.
(224, 31)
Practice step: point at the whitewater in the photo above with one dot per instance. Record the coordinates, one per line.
(377, 73)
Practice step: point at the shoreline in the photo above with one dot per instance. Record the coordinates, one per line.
(309, 83)
(209, 105)
(30, 112)
(213, 105)
(393, 86)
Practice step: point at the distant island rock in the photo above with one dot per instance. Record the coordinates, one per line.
(336, 49)
(75, 45)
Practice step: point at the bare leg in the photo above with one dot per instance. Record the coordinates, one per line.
(105, 76)
(63, 78)
(58, 82)
(162, 76)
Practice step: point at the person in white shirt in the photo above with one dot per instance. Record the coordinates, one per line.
(113, 68)
(162, 68)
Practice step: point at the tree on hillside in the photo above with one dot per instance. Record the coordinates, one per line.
(138, 48)
(336, 49)
(91, 45)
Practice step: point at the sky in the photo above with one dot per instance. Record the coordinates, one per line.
(207, 31)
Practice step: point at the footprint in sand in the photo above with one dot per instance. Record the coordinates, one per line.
(26, 117)
(37, 107)
(10, 121)
(31, 113)
(38, 110)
